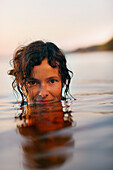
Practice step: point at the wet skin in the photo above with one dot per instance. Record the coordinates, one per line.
(44, 85)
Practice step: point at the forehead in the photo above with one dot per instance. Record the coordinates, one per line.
(44, 70)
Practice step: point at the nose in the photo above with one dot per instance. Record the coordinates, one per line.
(43, 92)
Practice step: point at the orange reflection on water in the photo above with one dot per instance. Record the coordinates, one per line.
(43, 149)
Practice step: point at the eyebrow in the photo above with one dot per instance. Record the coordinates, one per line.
(53, 77)
(33, 79)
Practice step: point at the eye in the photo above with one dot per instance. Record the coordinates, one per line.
(32, 83)
(52, 81)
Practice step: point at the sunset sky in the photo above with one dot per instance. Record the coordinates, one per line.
(68, 23)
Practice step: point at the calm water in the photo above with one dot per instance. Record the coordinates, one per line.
(80, 140)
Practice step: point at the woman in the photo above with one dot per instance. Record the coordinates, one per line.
(40, 73)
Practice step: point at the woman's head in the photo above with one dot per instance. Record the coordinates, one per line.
(36, 64)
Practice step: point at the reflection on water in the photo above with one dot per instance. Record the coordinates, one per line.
(42, 149)
(77, 135)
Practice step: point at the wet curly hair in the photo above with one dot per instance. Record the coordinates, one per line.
(25, 58)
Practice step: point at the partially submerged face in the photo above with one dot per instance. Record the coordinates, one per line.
(44, 84)
(40, 72)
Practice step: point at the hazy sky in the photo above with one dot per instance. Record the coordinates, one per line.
(68, 23)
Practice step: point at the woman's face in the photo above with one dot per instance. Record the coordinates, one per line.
(44, 85)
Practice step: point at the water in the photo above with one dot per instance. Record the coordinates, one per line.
(80, 140)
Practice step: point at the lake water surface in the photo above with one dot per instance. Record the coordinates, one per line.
(77, 140)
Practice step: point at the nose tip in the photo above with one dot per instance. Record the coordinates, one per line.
(43, 92)
(43, 95)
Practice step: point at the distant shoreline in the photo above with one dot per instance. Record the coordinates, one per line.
(108, 46)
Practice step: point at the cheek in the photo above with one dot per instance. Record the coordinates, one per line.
(32, 92)
(57, 90)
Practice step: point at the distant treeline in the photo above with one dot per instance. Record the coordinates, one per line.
(108, 46)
